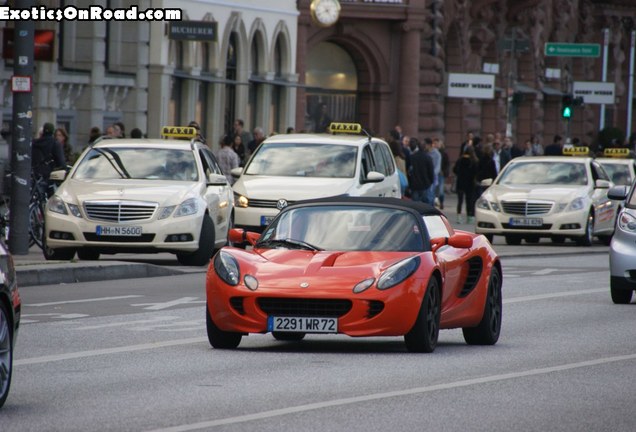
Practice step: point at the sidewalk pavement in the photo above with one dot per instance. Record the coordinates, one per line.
(32, 269)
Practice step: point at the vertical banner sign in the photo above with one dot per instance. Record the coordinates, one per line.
(22, 132)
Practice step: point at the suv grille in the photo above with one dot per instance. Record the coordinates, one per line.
(119, 211)
(526, 208)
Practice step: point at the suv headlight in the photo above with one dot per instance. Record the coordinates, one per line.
(398, 272)
(627, 222)
(240, 200)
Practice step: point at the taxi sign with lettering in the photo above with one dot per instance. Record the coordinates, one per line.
(576, 151)
(345, 128)
(616, 152)
(178, 132)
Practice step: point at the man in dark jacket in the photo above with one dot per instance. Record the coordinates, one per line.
(422, 174)
(46, 153)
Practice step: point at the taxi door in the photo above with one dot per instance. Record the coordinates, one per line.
(604, 208)
(219, 198)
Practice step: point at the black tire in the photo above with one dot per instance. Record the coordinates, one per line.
(218, 338)
(88, 254)
(513, 240)
(36, 224)
(488, 330)
(605, 239)
(61, 254)
(587, 238)
(422, 338)
(620, 295)
(288, 336)
(201, 256)
(489, 237)
(6, 353)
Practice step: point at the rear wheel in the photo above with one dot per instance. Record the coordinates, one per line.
(219, 338)
(6, 353)
(488, 330)
(422, 338)
(202, 255)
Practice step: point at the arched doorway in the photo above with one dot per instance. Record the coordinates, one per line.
(332, 79)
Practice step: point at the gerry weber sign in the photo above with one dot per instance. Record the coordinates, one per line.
(193, 30)
(475, 86)
(594, 92)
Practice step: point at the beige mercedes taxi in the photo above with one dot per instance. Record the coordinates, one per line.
(290, 167)
(141, 196)
(560, 197)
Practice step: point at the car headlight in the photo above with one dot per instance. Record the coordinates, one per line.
(240, 200)
(166, 212)
(56, 205)
(627, 222)
(226, 266)
(577, 204)
(398, 272)
(75, 211)
(187, 208)
(484, 204)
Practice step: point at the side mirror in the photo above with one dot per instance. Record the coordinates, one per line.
(374, 177)
(58, 175)
(236, 172)
(240, 236)
(461, 241)
(602, 184)
(486, 182)
(618, 193)
(217, 180)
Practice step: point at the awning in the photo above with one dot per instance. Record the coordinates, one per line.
(552, 91)
(523, 88)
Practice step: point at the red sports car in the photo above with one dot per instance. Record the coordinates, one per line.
(356, 266)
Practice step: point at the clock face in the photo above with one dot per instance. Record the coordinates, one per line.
(325, 12)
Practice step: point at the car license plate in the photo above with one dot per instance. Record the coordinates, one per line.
(302, 324)
(266, 220)
(129, 231)
(531, 222)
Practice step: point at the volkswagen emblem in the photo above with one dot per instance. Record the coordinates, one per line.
(281, 204)
(304, 285)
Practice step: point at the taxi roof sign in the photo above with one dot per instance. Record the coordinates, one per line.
(345, 128)
(616, 152)
(576, 151)
(178, 132)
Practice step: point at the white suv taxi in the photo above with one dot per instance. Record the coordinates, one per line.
(291, 167)
(141, 196)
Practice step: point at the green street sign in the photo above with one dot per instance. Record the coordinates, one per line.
(572, 50)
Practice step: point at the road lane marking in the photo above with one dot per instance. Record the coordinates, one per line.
(107, 351)
(127, 323)
(81, 301)
(554, 295)
(398, 393)
(166, 305)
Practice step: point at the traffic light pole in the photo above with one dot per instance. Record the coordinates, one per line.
(21, 85)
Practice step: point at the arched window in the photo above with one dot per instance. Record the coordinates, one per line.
(332, 80)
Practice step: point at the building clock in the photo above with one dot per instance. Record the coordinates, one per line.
(325, 12)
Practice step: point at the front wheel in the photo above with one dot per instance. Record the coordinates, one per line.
(6, 354)
(61, 254)
(202, 255)
(422, 338)
(218, 338)
(587, 238)
(488, 330)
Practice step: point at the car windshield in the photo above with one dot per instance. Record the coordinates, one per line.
(303, 160)
(544, 173)
(345, 228)
(618, 173)
(102, 163)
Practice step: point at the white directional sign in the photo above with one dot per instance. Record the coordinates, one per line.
(475, 86)
(595, 92)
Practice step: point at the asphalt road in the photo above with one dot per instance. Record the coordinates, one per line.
(132, 355)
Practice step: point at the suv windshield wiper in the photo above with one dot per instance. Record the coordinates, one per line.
(288, 241)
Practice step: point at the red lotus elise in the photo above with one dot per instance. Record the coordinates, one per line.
(356, 266)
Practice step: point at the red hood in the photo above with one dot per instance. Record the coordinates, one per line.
(281, 268)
